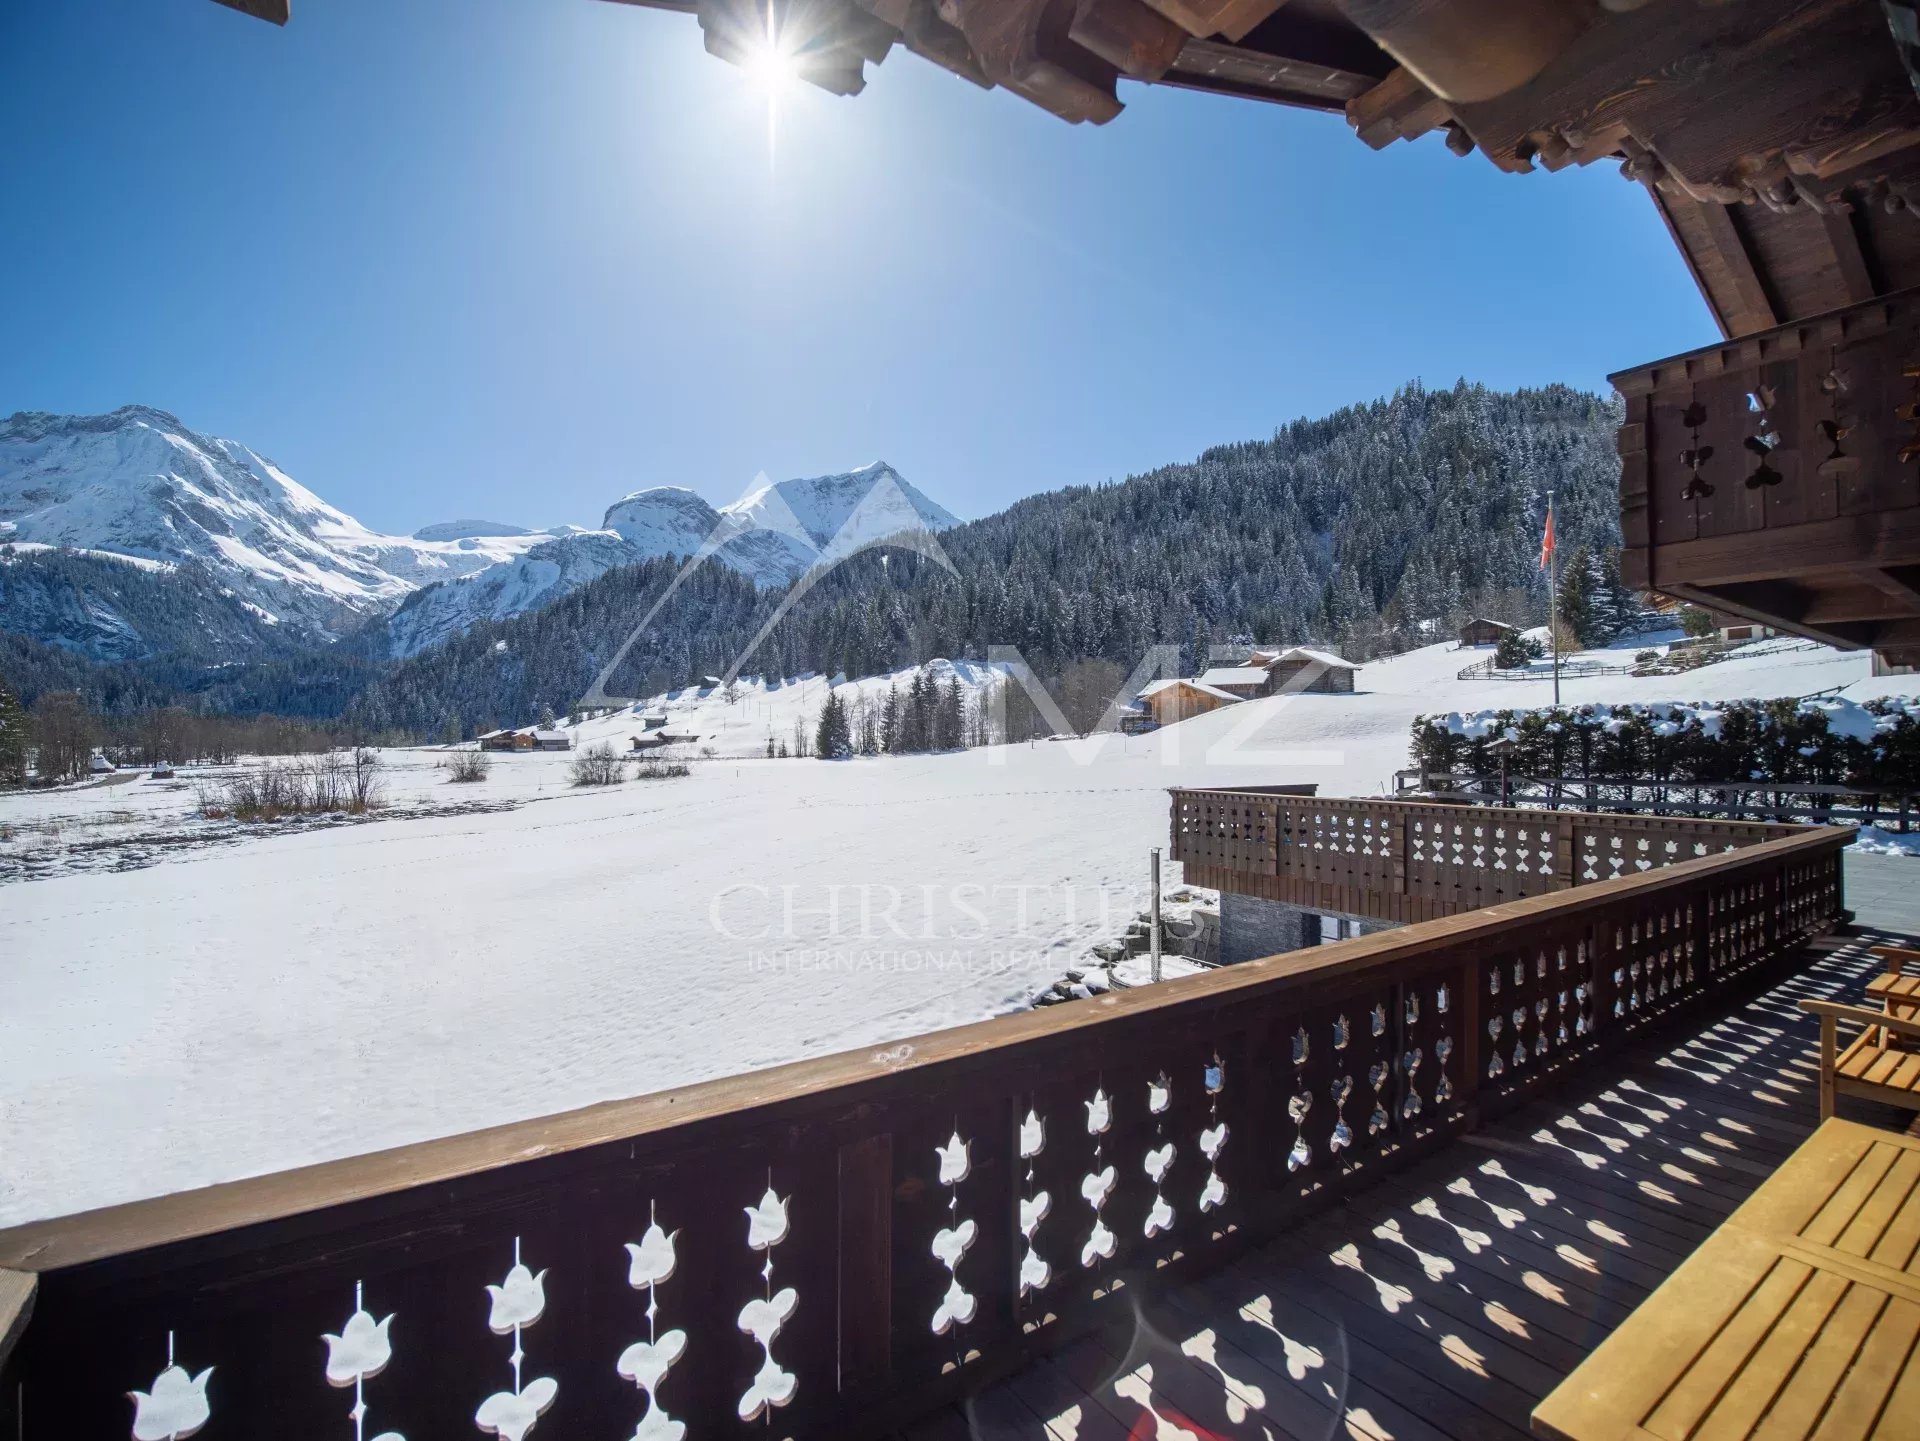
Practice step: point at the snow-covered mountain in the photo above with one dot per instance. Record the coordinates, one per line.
(772, 535)
(138, 483)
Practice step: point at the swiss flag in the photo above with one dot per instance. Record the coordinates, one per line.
(1546, 542)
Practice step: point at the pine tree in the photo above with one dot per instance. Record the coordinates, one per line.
(547, 718)
(833, 740)
(1576, 596)
(13, 738)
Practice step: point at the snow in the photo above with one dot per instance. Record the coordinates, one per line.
(1875, 841)
(1319, 657)
(249, 1005)
(1200, 685)
(138, 562)
(1226, 675)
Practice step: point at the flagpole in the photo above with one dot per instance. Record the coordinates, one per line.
(1553, 598)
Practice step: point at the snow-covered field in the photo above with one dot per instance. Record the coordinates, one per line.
(258, 1003)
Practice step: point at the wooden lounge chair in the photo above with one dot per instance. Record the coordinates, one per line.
(1874, 1064)
(1898, 990)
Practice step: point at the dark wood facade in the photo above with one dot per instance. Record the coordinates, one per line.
(1296, 675)
(1776, 478)
(1480, 631)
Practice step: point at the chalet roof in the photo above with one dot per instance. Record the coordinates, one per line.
(1323, 657)
(1484, 620)
(545, 735)
(1199, 685)
(1222, 675)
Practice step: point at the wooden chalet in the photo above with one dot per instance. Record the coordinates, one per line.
(1481, 631)
(552, 740)
(1293, 670)
(1178, 700)
(1301, 669)
(507, 740)
(1563, 1120)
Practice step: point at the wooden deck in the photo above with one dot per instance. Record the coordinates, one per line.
(1446, 1301)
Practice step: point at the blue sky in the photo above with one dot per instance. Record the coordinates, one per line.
(514, 258)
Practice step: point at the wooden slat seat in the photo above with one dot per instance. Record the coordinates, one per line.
(1877, 1064)
(1798, 1316)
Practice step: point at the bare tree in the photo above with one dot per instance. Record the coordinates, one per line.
(64, 734)
(597, 765)
(467, 766)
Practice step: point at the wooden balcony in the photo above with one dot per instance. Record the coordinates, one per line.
(1411, 861)
(838, 1247)
(1775, 477)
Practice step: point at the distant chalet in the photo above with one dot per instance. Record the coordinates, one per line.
(1295, 670)
(1481, 631)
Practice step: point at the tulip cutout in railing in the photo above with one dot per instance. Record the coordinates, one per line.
(1159, 1159)
(1300, 1103)
(650, 1262)
(952, 1242)
(1377, 1075)
(175, 1408)
(361, 1350)
(762, 1318)
(1034, 1271)
(518, 1302)
(1443, 1088)
(1097, 1184)
(1410, 1107)
(1342, 1136)
(1213, 1137)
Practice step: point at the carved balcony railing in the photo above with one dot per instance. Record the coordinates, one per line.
(1407, 861)
(824, 1248)
(1777, 477)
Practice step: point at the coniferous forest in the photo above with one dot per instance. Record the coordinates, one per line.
(1358, 531)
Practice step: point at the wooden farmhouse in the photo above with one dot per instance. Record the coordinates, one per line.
(507, 740)
(1301, 669)
(552, 740)
(1481, 631)
(1178, 700)
(1292, 671)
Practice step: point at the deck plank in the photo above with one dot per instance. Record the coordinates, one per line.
(1470, 1284)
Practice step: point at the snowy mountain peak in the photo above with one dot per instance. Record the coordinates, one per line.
(820, 507)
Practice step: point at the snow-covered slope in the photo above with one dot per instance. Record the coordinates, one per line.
(139, 483)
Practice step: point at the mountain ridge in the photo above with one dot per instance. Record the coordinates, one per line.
(140, 484)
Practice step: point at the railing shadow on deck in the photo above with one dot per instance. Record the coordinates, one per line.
(825, 1249)
(1449, 1298)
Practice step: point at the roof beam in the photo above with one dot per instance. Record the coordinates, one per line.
(273, 10)
(1849, 261)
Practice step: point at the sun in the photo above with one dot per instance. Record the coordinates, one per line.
(770, 65)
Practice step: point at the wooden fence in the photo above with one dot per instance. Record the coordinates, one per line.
(821, 1249)
(1411, 861)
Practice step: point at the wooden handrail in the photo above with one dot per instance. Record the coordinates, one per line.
(16, 1308)
(939, 1058)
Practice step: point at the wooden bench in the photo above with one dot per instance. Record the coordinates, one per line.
(1798, 1317)
(1875, 1064)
